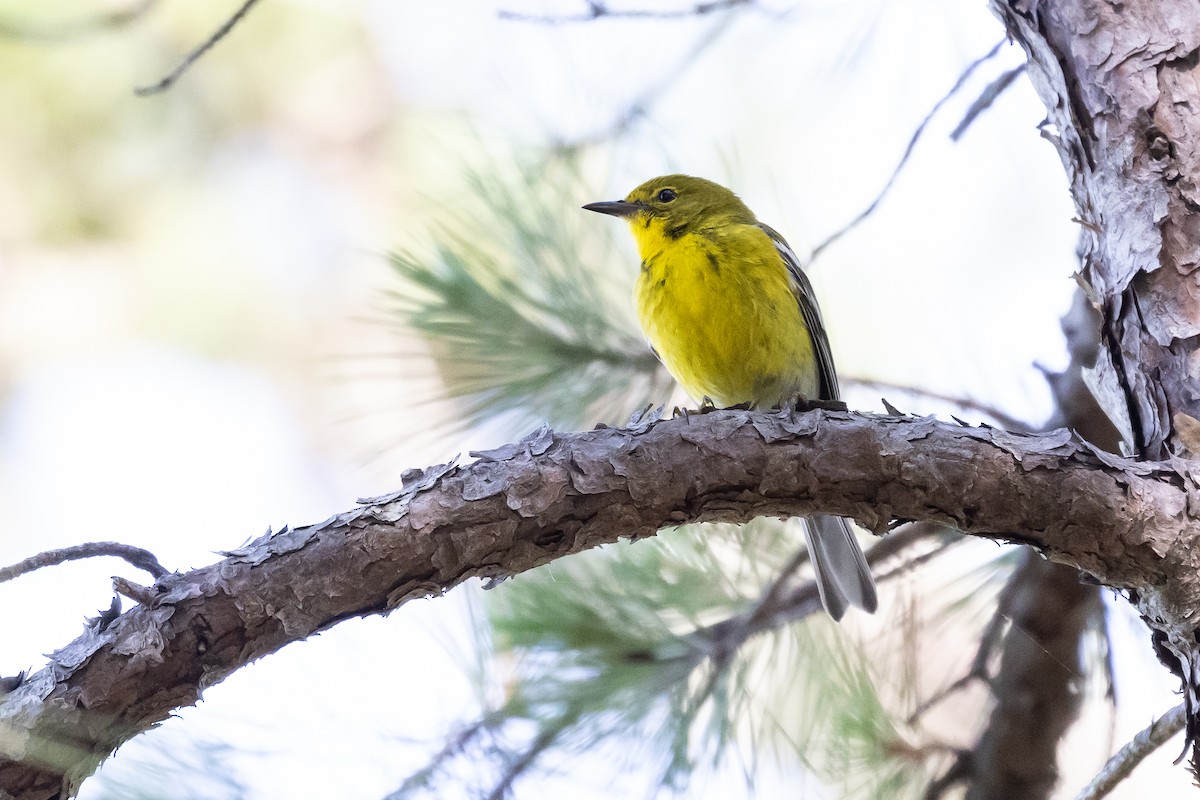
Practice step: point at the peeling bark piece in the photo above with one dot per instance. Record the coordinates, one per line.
(583, 490)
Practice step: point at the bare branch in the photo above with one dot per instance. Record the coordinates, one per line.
(544, 739)
(1119, 767)
(989, 641)
(908, 151)
(142, 559)
(985, 100)
(598, 10)
(220, 33)
(550, 495)
(638, 109)
(779, 605)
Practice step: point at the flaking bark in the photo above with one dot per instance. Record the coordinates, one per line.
(555, 494)
(1121, 85)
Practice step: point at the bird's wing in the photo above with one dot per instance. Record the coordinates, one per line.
(803, 290)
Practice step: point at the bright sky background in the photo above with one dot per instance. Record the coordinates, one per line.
(190, 332)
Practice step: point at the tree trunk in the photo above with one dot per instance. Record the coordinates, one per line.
(1121, 84)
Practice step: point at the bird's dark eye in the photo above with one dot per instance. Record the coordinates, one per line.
(666, 195)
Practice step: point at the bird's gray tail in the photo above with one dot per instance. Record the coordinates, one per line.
(843, 577)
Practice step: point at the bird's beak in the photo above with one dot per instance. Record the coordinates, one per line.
(616, 208)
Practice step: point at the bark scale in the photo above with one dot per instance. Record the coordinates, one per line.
(551, 495)
(1121, 85)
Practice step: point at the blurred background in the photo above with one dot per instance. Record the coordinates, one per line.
(220, 308)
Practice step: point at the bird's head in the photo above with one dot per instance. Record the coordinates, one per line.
(674, 205)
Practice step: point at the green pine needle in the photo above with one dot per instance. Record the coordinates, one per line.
(605, 652)
(524, 304)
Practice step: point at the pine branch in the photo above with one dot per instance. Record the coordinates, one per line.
(519, 317)
(617, 618)
(555, 494)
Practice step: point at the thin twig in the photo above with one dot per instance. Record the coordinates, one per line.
(72, 30)
(776, 606)
(191, 58)
(142, 559)
(966, 403)
(989, 640)
(1122, 764)
(598, 10)
(769, 600)
(908, 151)
(641, 105)
(985, 100)
(718, 642)
(456, 745)
(803, 600)
(917, 560)
(525, 760)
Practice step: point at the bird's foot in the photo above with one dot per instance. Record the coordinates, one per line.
(707, 406)
(801, 403)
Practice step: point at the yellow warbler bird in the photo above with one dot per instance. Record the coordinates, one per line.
(726, 306)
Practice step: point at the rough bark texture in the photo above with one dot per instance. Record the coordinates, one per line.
(1121, 84)
(551, 495)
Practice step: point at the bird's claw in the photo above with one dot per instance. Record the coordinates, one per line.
(801, 403)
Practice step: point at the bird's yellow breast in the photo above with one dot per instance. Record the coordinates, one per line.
(727, 327)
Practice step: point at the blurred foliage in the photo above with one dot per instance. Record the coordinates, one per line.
(84, 158)
(522, 310)
(610, 645)
(609, 652)
(176, 764)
